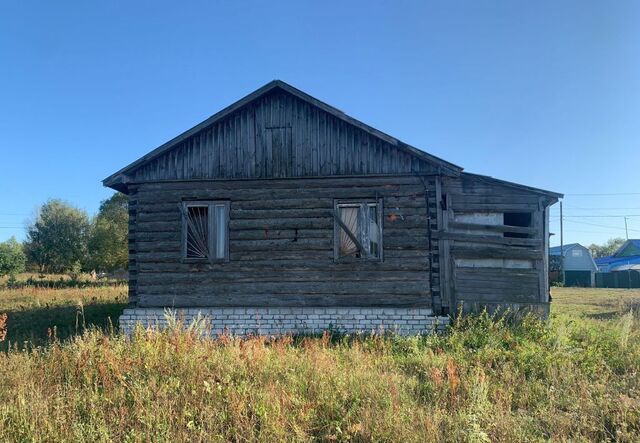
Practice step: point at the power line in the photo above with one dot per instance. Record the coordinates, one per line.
(601, 226)
(598, 209)
(570, 231)
(603, 194)
(598, 216)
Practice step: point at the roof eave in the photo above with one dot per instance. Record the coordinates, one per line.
(553, 196)
(118, 182)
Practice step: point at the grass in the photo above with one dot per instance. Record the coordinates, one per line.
(574, 378)
(37, 315)
(594, 303)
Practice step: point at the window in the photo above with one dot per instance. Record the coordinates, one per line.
(205, 231)
(576, 252)
(358, 228)
(519, 219)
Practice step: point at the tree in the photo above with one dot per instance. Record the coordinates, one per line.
(57, 239)
(555, 263)
(12, 258)
(108, 238)
(609, 248)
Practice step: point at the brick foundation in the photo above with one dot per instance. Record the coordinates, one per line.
(278, 321)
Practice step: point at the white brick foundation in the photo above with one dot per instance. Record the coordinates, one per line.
(277, 321)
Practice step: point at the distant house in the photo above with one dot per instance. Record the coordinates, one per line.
(622, 269)
(625, 258)
(579, 266)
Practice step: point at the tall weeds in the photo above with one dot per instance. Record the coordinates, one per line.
(486, 380)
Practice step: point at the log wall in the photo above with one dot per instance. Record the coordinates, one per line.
(281, 245)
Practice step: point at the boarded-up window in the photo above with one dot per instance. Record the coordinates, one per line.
(205, 227)
(358, 230)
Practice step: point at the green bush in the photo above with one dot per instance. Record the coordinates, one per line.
(12, 258)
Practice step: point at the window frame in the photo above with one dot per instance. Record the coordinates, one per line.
(211, 225)
(337, 204)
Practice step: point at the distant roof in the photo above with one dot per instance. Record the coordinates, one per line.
(632, 241)
(628, 267)
(604, 260)
(617, 263)
(556, 249)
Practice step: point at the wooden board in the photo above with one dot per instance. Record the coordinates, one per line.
(281, 245)
(281, 135)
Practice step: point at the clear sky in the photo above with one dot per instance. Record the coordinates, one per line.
(544, 93)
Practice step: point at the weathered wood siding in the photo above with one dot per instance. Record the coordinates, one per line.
(276, 136)
(481, 267)
(281, 245)
(133, 268)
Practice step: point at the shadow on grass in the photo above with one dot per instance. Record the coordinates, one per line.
(604, 315)
(35, 325)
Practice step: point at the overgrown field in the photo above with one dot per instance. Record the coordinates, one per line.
(573, 378)
(35, 315)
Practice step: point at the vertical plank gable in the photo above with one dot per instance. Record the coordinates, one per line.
(278, 136)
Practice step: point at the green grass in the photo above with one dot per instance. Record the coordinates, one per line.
(37, 315)
(594, 303)
(574, 378)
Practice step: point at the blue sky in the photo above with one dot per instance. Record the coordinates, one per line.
(544, 93)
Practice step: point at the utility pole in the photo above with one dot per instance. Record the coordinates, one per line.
(626, 230)
(561, 246)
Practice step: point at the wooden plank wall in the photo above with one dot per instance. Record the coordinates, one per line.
(281, 136)
(484, 268)
(281, 245)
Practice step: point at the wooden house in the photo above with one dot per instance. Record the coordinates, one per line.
(282, 213)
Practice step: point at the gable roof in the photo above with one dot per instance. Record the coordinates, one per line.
(117, 178)
(615, 260)
(626, 244)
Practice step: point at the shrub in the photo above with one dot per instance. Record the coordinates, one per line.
(12, 257)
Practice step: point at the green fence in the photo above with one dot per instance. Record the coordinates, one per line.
(618, 279)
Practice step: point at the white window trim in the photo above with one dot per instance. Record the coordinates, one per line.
(213, 230)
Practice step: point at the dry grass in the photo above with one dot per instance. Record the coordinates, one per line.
(35, 315)
(36, 276)
(594, 303)
(575, 378)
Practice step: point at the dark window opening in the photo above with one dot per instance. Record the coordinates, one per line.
(519, 219)
(443, 202)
